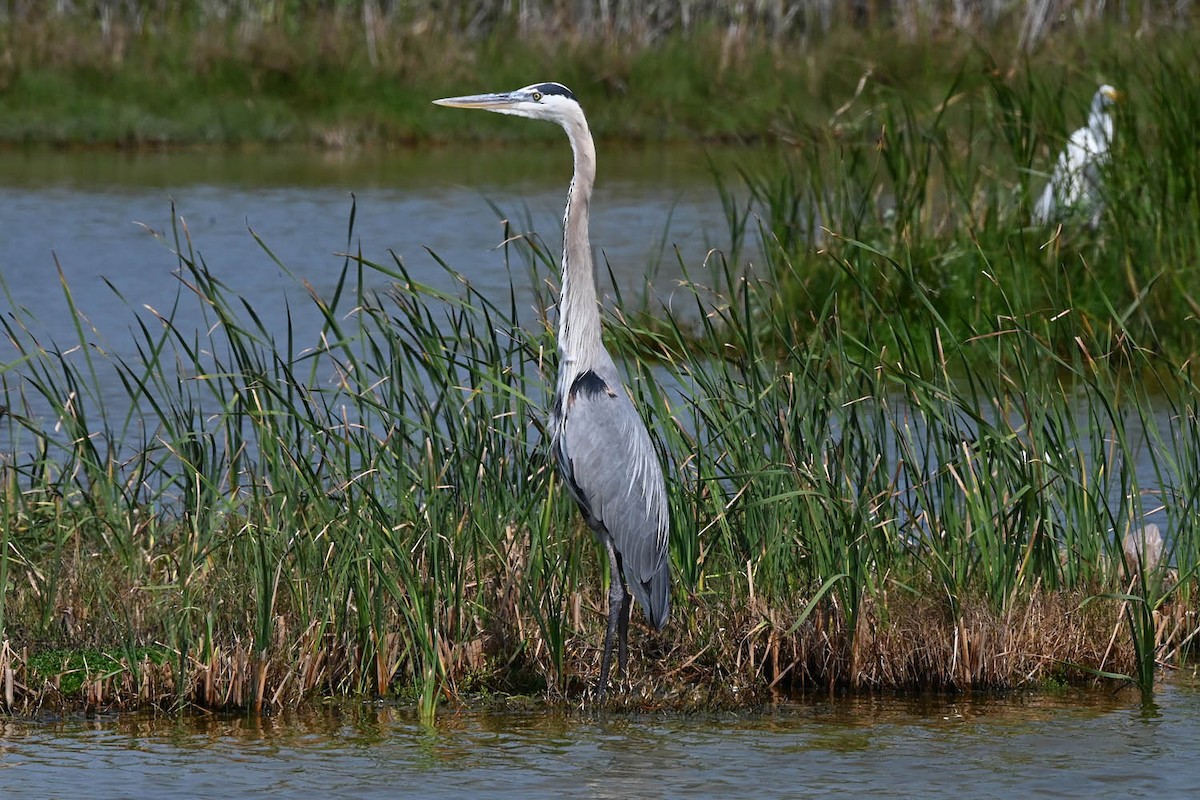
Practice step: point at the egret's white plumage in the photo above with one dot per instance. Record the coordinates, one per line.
(1075, 187)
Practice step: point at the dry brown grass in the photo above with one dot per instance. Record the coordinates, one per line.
(714, 654)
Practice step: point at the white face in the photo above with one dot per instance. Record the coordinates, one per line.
(1107, 95)
(549, 101)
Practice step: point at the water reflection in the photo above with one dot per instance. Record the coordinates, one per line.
(1076, 744)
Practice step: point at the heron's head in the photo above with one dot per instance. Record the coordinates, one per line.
(549, 101)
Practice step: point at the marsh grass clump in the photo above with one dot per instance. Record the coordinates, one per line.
(365, 505)
(929, 200)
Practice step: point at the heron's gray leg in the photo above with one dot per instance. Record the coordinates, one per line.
(616, 593)
(623, 630)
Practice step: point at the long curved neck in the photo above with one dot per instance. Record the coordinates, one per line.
(578, 310)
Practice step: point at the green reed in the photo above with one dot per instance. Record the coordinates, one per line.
(1037, 359)
(379, 488)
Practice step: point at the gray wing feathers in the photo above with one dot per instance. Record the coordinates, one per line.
(606, 453)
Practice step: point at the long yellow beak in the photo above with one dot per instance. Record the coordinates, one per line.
(1114, 95)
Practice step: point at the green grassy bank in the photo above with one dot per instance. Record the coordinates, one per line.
(339, 74)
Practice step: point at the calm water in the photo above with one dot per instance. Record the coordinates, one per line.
(105, 219)
(95, 215)
(1077, 746)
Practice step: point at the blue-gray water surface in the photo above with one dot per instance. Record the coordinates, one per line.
(270, 224)
(106, 218)
(1076, 745)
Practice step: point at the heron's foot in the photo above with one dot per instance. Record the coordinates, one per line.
(600, 693)
(610, 683)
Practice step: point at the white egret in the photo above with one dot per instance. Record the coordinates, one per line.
(1076, 185)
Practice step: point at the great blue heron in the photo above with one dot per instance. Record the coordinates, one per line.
(1075, 186)
(599, 442)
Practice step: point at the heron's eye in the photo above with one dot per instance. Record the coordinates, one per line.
(537, 97)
